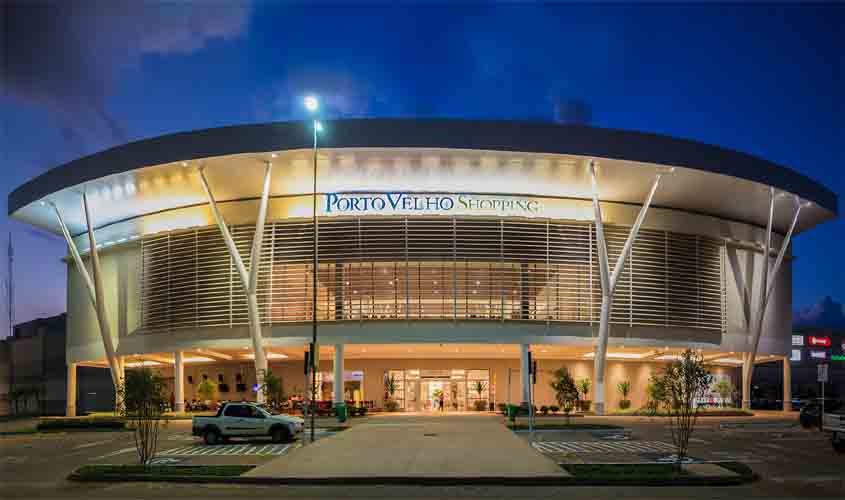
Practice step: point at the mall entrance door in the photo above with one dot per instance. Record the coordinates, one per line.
(420, 389)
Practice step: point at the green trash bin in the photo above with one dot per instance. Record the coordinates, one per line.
(340, 411)
(512, 411)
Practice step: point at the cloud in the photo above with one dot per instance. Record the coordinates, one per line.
(68, 56)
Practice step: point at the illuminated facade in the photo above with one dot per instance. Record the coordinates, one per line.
(446, 249)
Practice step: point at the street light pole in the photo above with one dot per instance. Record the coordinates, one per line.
(312, 105)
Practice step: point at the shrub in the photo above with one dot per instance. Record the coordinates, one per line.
(480, 405)
(724, 389)
(391, 405)
(273, 390)
(544, 410)
(656, 393)
(685, 381)
(142, 397)
(566, 393)
(80, 423)
(554, 408)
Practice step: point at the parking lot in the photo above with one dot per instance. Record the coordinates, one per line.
(793, 462)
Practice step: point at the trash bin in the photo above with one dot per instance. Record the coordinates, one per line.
(512, 411)
(340, 412)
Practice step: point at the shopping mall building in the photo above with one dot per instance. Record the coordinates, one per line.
(446, 251)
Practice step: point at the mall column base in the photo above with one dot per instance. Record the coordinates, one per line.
(70, 410)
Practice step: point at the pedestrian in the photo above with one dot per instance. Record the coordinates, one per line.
(440, 403)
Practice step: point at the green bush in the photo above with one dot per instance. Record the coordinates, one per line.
(554, 408)
(544, 410)
(62, 424)
(391, 405)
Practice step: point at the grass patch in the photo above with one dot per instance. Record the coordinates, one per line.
(30, 430)
(81, 424)
(623, 471)
(565, 426)
(139, 472)
(707, 412)
(654, 475)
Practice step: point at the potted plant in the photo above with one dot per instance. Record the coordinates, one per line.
(205, 390)
(566, 393)
(390, 387)
(624, 389)
(584, 386)
(479, 387)
(724, 389)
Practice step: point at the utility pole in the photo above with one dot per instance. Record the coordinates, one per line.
(11, 287)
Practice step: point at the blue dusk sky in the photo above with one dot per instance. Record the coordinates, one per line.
(81, 76)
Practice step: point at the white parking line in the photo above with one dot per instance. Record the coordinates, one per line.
(118, 452)
(95, 443)
(603, 446)
(228, 450)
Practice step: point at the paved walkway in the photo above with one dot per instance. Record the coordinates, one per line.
(416, 446)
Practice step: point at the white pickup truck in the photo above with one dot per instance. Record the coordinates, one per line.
(245, 420)
(834, 423)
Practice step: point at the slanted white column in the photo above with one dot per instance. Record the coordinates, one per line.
(338, 374)
(70, 409)
(767, 286)
(524, 373)
(609, 280)
(787, 384)
(95, 286)
(249, 280)
(178, 382)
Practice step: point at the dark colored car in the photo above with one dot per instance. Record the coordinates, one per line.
(811, 411)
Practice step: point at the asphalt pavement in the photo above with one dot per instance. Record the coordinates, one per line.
(794, 463)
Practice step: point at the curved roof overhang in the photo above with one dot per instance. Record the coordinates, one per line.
(147, 176)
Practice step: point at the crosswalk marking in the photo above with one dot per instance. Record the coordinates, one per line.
(603, 446)
(229, 450)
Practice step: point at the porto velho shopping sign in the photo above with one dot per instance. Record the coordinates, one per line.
(402, 203)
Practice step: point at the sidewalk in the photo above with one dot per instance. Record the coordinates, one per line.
(416, 447)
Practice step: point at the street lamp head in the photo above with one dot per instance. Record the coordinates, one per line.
(318, 126)
(311, 103)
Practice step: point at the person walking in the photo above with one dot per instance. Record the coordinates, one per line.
(440, 401)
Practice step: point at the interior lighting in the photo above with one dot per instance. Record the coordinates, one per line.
(620, 355)
(733, 361)
(196, 359)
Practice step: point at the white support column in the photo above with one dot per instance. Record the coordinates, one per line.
(95, 286)
(249, 280)
(524, 373)
(767, 286)
(70, 409)
(178, 382)
(787, 384)
(746, 382)
(609, 281)
(338, 374)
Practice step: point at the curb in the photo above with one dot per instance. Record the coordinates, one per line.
(549, 480)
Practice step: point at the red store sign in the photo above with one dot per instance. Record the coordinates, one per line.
(814, 341)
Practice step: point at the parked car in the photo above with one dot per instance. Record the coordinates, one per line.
(245, 420)
(811, 411)
(834, 423)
